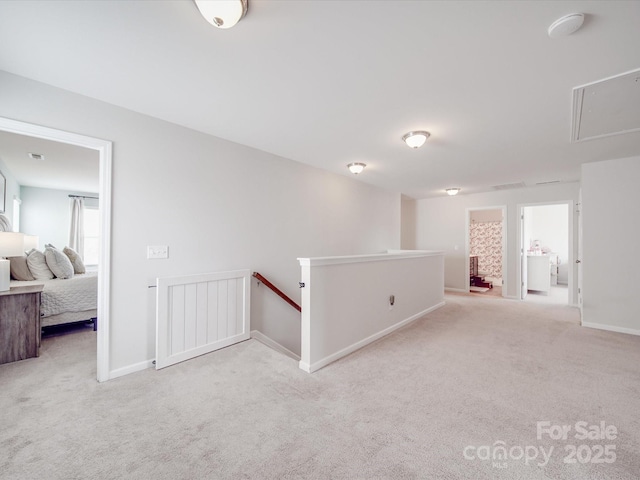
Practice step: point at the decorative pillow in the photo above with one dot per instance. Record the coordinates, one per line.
(38, 265)
(20, 269)
(76, 261)
(58, 262)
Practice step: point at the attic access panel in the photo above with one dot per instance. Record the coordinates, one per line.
(606, 107)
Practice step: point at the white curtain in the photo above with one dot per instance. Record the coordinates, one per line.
(76, 236)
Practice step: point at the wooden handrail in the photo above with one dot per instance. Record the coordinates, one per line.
(277, 291)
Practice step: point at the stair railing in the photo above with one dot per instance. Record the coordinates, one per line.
(277, 291)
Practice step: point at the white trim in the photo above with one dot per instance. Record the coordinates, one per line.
(262, 338)
(136, 367)
(611, 328)
(391, 255)
(104, 268)
(358, 345)
(459, 290)
(104, 148)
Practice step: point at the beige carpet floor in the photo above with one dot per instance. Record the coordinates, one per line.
(466, 377)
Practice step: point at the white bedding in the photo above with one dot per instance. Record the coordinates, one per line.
(74, 294)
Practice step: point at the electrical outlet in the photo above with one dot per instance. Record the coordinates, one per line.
(158, 251)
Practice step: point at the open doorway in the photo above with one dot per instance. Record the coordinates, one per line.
(546, 253)
(486, 250)
(103, 149)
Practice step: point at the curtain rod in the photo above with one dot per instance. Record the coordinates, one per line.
(82, 196)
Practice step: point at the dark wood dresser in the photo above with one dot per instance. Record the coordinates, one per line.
(20, 323)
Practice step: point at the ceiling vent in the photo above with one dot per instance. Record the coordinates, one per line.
(606, 107)
(509, 186)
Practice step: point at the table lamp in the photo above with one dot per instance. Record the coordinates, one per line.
(11, 245)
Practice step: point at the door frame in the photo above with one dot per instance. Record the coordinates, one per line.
(104, 148)
(578, 255)
(502, 208)
(571, 300)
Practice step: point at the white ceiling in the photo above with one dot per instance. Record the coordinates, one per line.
(65, 167)
(332, 82)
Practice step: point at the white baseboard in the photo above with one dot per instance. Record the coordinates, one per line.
(136, 367)
(358, 345)
(459, 290)
(611, 328)
(305, 366)
(262, 338)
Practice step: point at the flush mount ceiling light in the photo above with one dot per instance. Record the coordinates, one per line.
(356, 168)
(452, 191)
(566, 25)
(36, 156)
(416, 139)
(222, 13)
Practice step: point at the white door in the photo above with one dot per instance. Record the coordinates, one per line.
(197, 314)
(524, 240)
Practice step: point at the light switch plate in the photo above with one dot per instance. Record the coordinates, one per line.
(157, 251)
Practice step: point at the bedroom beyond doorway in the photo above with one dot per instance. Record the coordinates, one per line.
(546, 263)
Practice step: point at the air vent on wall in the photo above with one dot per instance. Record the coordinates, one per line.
(606, 107)
(509, 186)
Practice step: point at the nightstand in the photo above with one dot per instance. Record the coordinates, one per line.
(20, 323)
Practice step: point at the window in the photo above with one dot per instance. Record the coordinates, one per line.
(91, 235)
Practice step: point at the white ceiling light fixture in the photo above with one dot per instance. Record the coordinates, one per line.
(356, 168)
(416, 139)
(36, 156)
(222, 13)
(565, 26)
(452, 191)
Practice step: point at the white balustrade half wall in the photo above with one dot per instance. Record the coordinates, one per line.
(346, 300)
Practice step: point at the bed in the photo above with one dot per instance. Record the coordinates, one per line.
(67, 300)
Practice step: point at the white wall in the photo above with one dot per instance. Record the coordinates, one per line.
(441, 225)
(408, 223)
(610, 226)
(46, 212)
(486, 215)
(549, 225)
(345, 302)
(216, 204)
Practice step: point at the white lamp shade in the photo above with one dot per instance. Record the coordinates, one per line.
(11, 244)
(222, 13)
(356, 168)
(416, 139)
